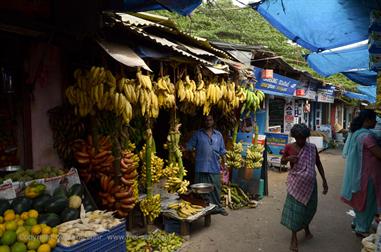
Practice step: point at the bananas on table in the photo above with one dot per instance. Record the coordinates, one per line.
(185, 209)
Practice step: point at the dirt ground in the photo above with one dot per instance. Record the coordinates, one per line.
(260, 229)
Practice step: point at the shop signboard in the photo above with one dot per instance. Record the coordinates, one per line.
(278, 85)
(306, 90)
(289, 116)
(326, 95)
(276, 142)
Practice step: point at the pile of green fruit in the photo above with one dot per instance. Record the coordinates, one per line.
(28, 175)
(235, 198)
(64, 205)
(156, 241)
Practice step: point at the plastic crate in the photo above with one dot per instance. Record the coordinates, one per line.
(111, 240)
(172, 226)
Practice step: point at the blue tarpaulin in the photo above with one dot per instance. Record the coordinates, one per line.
(183, 7)
(319, 25)
(366, 77)
(369, 91)
(358, 96)
(331, 62)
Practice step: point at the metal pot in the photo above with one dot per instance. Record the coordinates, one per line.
(202, 188)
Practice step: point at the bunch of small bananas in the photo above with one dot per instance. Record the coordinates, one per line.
(254, 156)
(185, 209)
(175, 184)
(157, 165)
(234, 157)
(147, 98)
(165, 92)
(151, 207)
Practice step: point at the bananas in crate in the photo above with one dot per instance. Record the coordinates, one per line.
(151, 207)
(165, 93)
(185, 209)
(118, 196)
(93, 161)
(254, 156)
(157, 165)
(234, 157)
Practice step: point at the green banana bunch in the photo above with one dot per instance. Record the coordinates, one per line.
(233, 157)
(155, 241)
(157, 165)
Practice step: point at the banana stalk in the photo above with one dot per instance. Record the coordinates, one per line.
(148, 162)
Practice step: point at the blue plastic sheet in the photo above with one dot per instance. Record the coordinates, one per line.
(319, 24)
(358, 96)
(369, 91)
(366, 77)
(183, 7)
(332, 62)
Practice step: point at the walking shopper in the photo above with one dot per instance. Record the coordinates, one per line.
(361, 187)
(210, 149)
(302, 198)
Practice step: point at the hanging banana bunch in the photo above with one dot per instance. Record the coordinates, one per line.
(254, 156)
(175, 171)
(96, 89)
(233, 157)
(165, 93)
(157, 165)
(148, 100)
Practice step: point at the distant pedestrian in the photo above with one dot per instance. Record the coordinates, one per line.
(361, 187)
(302, 198)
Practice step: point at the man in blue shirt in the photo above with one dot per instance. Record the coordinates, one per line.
(210, 149)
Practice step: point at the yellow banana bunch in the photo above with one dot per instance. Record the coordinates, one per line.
(128, 87)
(241, 95)
(165, 93)
(122, 107)
(186, 90)
(213, 93)
(157, 165)
(233, 157)
(254, 156)
(151, 207)
(144, 81)
(185, 209)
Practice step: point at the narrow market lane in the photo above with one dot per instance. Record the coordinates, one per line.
(260, 230)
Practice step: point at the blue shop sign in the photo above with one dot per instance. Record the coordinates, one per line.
(278, 85)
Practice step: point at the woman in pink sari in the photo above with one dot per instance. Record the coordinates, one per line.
(301, 201)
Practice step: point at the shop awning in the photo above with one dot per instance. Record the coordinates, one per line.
(183, 7)
(278, 85)
(319, 25)
(123, 54)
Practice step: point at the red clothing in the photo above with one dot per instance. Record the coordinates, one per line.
(290, 150)
(371, 169)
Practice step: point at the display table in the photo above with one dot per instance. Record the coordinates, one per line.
(186, 222)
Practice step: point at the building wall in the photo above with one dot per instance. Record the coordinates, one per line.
(47, 94)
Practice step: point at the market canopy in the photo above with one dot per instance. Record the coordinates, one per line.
(319, 25)
(358, 96)
(366, 77)
(335, 61)
(369, 91)
(183, 7)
